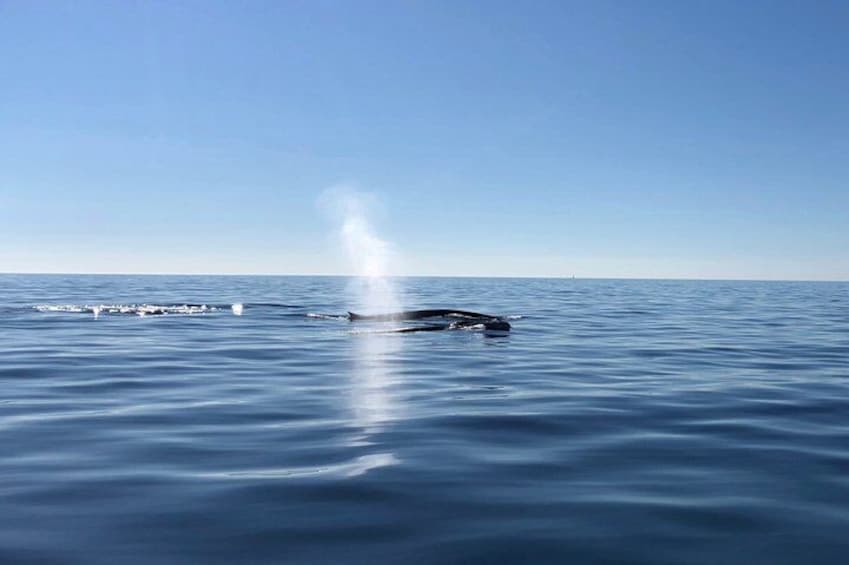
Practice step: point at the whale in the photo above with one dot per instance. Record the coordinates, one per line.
(420, 315)
(460, 319)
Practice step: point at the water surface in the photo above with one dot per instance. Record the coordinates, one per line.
(619, 422)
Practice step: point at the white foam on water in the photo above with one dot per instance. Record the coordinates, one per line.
(128, 309)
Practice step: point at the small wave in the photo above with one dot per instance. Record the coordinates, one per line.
(370, 332)
(326, 316)
(358, 466)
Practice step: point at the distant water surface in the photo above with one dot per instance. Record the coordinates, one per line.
(619, 422)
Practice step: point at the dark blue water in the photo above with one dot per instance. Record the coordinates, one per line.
(620, 421)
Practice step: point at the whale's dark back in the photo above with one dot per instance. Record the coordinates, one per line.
(420, 315)
(460, 319)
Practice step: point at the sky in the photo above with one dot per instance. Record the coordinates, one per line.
(674, 139)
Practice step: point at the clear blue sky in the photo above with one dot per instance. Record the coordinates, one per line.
(636, 139)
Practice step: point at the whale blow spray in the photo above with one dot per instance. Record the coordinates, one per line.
(369, 256)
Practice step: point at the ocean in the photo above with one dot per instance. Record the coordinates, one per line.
(620, 421)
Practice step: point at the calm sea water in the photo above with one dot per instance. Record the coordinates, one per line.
(620, 421)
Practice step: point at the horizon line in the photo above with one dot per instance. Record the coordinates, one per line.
(340, 275)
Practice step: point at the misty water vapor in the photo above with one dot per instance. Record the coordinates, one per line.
(370, 258)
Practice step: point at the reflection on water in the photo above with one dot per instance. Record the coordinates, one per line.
(373, 402)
